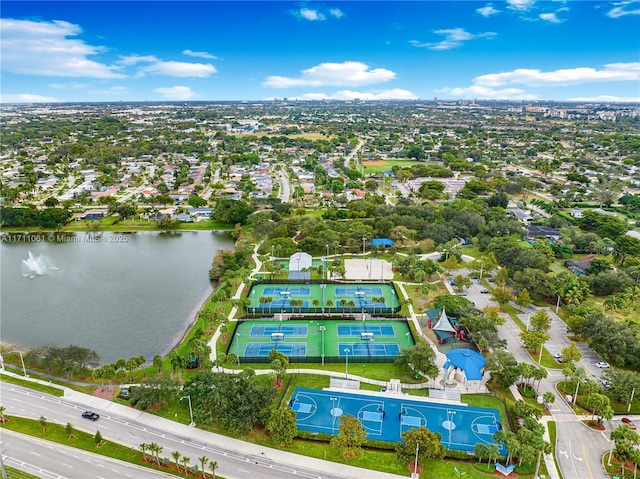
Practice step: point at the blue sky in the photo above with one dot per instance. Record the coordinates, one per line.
(208, 50)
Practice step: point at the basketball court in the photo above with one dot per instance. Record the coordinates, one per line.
(386, 418)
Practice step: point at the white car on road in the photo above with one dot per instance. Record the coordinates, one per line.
(603, 365)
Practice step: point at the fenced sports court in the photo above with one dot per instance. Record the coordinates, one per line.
(329, 298)
(386, 418)
(306, 341)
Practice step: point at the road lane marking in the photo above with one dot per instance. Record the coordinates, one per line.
(66, 465)
(586, 461)
(34, 453)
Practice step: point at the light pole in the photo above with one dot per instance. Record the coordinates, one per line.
(24, 370)
(363, 244)
(633, 391)
(346, 358)
(528, 319)
(191, 424)
(415, 465)
(450, 415)
(322, 286)
(322, 330)
(253, 300)
(333, 414)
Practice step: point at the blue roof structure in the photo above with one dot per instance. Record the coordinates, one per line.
(382, 242)
(470, 361)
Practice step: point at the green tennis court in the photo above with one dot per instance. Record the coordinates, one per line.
(371, 298)
(303, 340)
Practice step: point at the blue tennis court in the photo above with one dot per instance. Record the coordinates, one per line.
(262, 350)
(354, 330)
(369, 349)
(350, 291)
(289, 331)
(292, 290)
(385, 418)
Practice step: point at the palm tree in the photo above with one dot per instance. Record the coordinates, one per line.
(213, 465)
(2, 418)
(185, 461)
(329, 305)
(374, 300)
(143, 448)
(156, 449)
(343, 303)
(269, 302)
(382, 301)
(204, 460)
(176, 456)
(315, 303)
(352, 305)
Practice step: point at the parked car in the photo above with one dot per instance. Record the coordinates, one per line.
(91, 415)
(606, 383)
(629, 422)
(558, 357)
(484, 291)
(602, 365)
(475, 276)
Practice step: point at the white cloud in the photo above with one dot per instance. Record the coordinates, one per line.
(311, 15)
(45, 49)
(453, 39)
(68, 86)
(135, 59)
(393, 94)
(476, 91)
(620, 11)
(563, 77)
(521, 5)
(177, 93)
(487, 10)
(317, 15)
(27, 98)
(191, 53)
(179, 69)
(168, 68)
(333, 74)
(550, 17)
(607, 99)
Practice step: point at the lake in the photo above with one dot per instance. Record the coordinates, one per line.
(121, 295)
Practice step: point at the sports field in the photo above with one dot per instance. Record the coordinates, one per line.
(366, 341)
(372, 298)
(385, 418)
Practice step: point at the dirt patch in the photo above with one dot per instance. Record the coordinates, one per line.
(104, 393)
(374, 163)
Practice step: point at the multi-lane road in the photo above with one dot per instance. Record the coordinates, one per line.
(236, 459)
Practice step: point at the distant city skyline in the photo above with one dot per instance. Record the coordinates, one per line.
(94, 51)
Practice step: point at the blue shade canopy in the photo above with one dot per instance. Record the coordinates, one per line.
(471, 362)
(382, 242)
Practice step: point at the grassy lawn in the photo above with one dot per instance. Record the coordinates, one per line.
(33, 385)
(17, 474)
(552, 440)
(112, 223)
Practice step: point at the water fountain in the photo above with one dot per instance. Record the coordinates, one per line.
(36, 266)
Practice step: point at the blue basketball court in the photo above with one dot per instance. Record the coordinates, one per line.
(386, 418)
